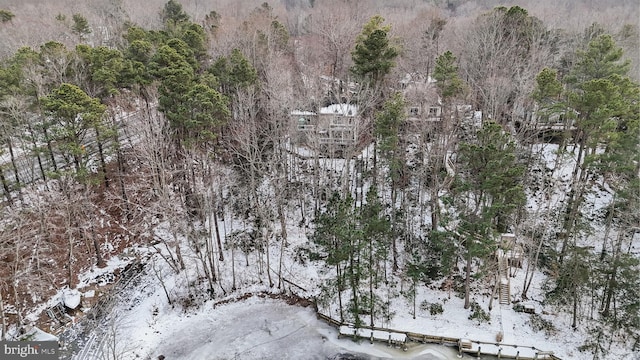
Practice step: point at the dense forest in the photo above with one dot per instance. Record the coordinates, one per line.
(202, 119)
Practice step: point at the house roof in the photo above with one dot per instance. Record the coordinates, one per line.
(340, 109)
(302, 113)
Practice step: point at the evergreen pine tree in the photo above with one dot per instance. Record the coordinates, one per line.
(80, 26)
(374, 55)
(74, 113)
(445, 73)
(490, 186)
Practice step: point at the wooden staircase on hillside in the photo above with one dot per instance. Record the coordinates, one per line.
(504, 279)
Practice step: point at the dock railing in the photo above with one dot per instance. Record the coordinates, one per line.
(475, 347)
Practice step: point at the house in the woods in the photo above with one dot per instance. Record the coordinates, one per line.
(424, 105)
(548, 126)
(305, 123)
(332, 128)
(422, 101)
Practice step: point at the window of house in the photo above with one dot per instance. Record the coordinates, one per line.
(414, 111)
(433, 111)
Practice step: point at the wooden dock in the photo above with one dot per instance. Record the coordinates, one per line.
(399, 338)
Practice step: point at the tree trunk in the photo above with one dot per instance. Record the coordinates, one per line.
(266, 236)
(76, 162)
(435, 207)
(179, 253)
(103, 163)
(70, 263)
(96, 245)
(610, 288)
(233, 257)
(394, 245)
(339, 285)
(283, 240)
(467, 281)
(575, 199)
(608, 228)
(217, 229)
(527, 282)
(121, 169)
(3, 332)
(574, 312)
(435, 183)
(13, 162)
(375, 162)
(161, 279)
(316, 183)
(354, 288)
(579, 163)
(233, 269)
(50, 148)
(5, 186)
(371, 279)
(414, 298)
(207, 264)
(493, 292)
(123, 188)
(35, 149)
(210, 257)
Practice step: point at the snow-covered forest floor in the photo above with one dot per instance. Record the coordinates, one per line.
(250, 323)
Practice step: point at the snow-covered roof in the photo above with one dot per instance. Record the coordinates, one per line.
(340, 109)
(302, 113)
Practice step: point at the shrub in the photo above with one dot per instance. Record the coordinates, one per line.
(6, 15)
(538, 323)
(433, 308)
(304, 253)
(478, 313)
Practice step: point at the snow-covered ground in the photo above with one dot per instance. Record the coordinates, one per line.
(145, 325)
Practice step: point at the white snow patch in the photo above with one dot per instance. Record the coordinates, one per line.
(71, 298)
